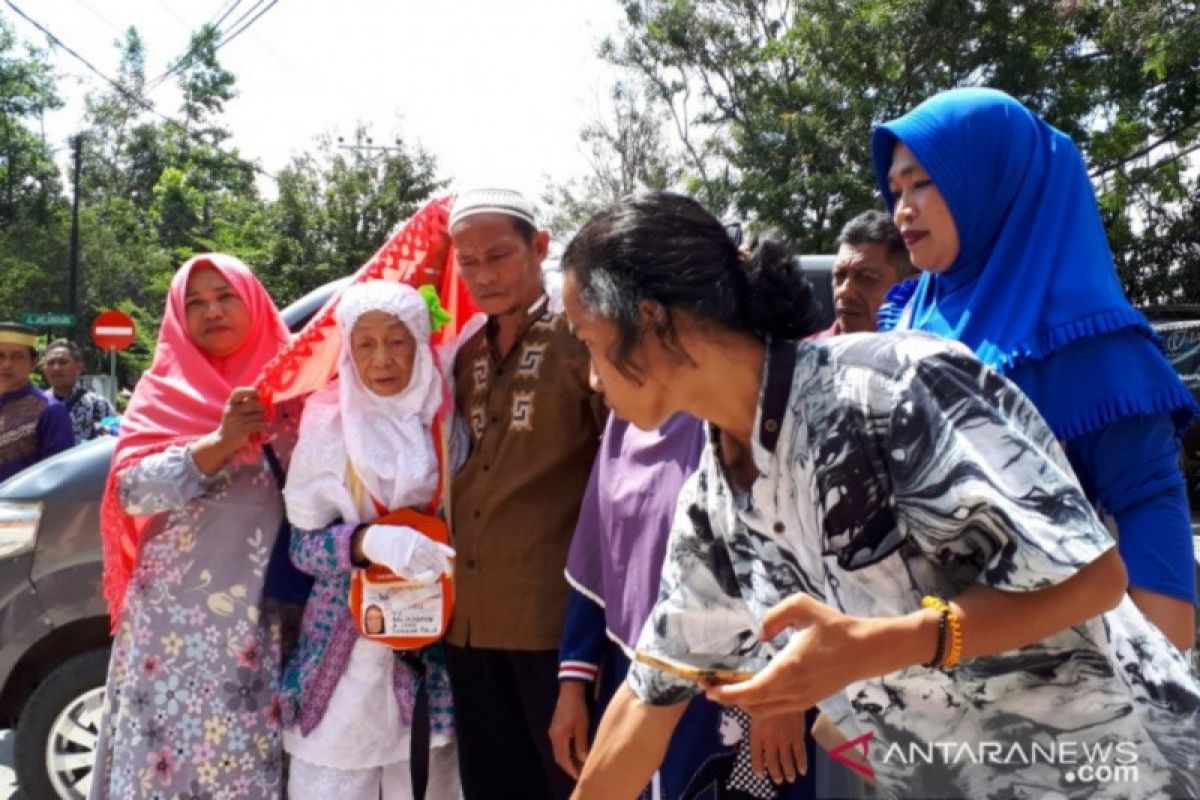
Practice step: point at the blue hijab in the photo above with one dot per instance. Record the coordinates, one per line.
(1033, 290)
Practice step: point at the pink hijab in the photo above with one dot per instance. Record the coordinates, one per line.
(180, 399)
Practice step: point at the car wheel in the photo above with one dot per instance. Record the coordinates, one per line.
(59, 728)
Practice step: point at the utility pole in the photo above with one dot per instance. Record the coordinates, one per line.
(73, 281)
(370, 147)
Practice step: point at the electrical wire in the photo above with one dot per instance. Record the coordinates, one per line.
(134, 98)
(225, 13)
(223, 38)
(101, 17)
(247, 13)
(242, 30)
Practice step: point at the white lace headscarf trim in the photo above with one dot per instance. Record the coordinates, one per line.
(386, 439)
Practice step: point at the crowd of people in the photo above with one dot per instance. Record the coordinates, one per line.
(698, 542)
(35, 424)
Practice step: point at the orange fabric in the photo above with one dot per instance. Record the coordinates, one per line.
(419, 253)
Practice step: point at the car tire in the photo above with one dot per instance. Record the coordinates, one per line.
(58, 729)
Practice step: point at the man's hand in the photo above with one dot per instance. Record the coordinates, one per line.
(569, 727)
(777, 746)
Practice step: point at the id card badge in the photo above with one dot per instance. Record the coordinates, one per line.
(404, 609)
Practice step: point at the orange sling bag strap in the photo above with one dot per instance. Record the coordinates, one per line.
(405, 614)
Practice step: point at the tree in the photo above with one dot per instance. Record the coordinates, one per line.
(111, 117)
(156, 191)
(337, 207)
(206, 85)
(33, 211)
(775, 99)
(626, 151)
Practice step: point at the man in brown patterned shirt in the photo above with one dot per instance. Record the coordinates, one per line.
(521, 386)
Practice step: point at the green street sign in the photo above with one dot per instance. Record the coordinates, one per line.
(49, 320)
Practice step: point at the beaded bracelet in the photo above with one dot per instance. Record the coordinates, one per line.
(948, 619)
(955, 640)
(941, 640)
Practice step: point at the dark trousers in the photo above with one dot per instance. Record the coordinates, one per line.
(503, 703)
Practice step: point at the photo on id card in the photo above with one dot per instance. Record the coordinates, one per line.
(401, 609)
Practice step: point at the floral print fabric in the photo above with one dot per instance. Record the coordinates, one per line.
(192, 706)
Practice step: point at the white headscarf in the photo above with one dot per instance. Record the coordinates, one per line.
(387, 440)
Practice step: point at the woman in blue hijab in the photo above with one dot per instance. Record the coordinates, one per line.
(998, 212)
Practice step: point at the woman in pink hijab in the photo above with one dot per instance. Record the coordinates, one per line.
(189, 520)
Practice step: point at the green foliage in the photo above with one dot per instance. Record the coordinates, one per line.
(337, 206)
(627, 151)
(156, 192)
(774, 100)
(33, 213)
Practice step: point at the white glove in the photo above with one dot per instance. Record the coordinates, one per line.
(406, 552)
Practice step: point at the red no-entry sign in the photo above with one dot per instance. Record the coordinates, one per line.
(113, 330)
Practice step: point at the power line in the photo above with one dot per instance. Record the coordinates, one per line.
(100, 17)
(223, 14)
(136, 99)
(228, 8)
(174, 16)
(242, 30)
(245, 14)
(222, 39)
(59, 43)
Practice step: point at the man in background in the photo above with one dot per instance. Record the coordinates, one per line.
(62, 365)
(871, 259)
(33, 425)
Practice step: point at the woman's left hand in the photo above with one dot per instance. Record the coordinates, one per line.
(828, 651)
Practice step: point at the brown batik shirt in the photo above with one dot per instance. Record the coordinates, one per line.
(534, 426)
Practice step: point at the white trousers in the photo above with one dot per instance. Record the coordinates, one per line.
(307, 781)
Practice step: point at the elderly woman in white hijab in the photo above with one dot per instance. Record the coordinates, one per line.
(366, 447)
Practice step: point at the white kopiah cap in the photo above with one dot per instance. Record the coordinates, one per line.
(491, 201)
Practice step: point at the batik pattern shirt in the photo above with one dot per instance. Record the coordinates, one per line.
(33, 426)
(86, 410)
(897, 467)
(533, 425)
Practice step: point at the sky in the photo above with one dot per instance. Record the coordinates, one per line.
(497, 90)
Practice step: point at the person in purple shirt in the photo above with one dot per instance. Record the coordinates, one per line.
(614, 568)
(33, 425)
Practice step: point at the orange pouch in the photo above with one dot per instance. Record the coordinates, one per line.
(404, 614)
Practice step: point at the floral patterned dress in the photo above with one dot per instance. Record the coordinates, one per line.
(192, 708)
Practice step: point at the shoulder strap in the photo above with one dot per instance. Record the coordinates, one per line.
(781, 366)
(276, 466)
(439, 448)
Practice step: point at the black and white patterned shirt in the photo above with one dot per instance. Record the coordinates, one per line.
(86, 410)
(896, 466)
